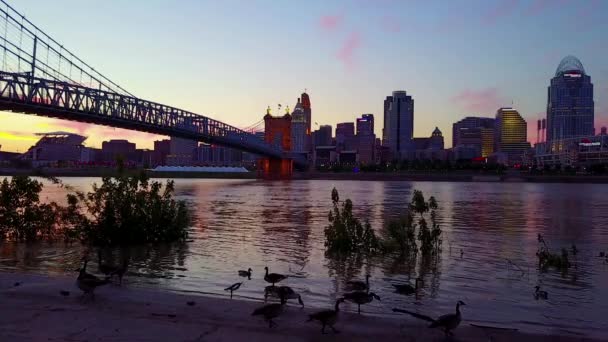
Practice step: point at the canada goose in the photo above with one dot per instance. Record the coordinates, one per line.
(270, 311)
(407, 289)
(273, 277)
(282, 291)
(539, 294)
(111, 270)
(327, 317)
(360, 297)
(448, 322)
(245, 273)
(233, 288)
(358, 285)
(88, 282)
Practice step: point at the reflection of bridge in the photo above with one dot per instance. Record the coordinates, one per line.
(40, 77)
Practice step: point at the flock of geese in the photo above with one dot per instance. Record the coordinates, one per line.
(359, 293)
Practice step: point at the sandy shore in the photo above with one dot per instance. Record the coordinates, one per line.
(35, 310)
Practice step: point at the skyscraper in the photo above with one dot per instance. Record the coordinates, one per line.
(298, 129)
(511, 134)
(570, 106)
(306, 107)
(398, 124)
(322, 136)
(365, 124)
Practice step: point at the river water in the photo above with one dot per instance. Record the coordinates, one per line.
(488, 259)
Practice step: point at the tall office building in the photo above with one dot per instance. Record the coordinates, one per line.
(570, 106)
(399, 124)
(511, 134)
(365, 124)
(298, 129)
(306, 107)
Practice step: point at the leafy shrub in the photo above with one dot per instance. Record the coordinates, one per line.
(547, 259)
(22, 216)
(400, 235)
(123, 210)
(345, 233)
(133, 210)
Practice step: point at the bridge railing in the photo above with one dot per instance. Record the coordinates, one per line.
(22, 92)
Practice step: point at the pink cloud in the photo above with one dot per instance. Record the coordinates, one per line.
(330, 22)
(391, 24)
(346, 53)
(503, 9)
(484, 101)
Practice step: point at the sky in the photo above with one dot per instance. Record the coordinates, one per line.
(232, 59)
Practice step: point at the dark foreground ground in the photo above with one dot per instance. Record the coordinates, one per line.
(36, 311)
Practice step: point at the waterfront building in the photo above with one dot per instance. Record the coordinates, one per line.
(162, 148)
(471, 122)
(570, 105)
(215, 155)
(431, 147)
(115, 149)
(575, 152)
(510, 134)
(56, 148)
(398, 124)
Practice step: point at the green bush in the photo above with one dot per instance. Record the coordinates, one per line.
(400, 235)
(133, 210)
(123, 210)
(22, 216)
(345, 233)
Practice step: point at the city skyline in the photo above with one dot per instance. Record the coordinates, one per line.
(331, 41)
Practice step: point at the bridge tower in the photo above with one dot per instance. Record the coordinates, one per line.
(277, 132)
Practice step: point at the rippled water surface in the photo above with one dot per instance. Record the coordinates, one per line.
(244, 223)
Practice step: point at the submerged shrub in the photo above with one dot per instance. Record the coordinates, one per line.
(547, 259)
(122, 210)
(133, 210)
(400, 235)
(22, 216)
(345, 232)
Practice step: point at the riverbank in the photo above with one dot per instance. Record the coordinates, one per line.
(35, 310)
(452, 176)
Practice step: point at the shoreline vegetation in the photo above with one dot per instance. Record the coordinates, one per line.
(122, 210)
(434, 176)
(37, 310)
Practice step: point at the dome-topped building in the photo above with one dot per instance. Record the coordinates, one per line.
(570, 105)
(569, 64)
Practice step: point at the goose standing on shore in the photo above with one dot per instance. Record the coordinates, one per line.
(282, 291)
(273, 278)
(88, 282)
(111, 270)
(247, 273)
(233, 288)
(448, 322)
(407, 289)
(358, 285)
(327, 317)
(270, 312)
(360, 297)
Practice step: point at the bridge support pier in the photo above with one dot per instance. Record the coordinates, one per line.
(275, 169)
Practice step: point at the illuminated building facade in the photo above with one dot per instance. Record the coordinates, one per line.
(570, 106)
(306, 107)
(511, 134)
(470, 122)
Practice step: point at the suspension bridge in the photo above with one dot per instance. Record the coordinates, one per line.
(39, 76)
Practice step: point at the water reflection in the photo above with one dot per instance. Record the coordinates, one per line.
(245, 223)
